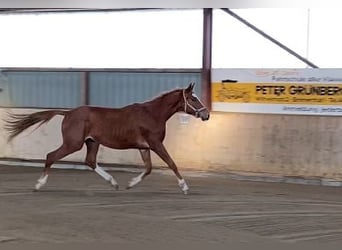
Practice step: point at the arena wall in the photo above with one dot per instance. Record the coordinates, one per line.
(282, 145)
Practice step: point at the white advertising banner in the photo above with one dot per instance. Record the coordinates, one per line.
(278, 91)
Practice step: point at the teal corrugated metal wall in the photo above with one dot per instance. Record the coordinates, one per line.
(62, 89)
(40, 89)
(117, 89)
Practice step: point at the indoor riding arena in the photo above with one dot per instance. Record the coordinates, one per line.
(264, 170)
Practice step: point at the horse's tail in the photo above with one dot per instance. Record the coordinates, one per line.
(17, 123)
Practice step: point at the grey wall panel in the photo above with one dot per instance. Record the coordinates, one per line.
(117, 89)
(40, 89)
(62, 89)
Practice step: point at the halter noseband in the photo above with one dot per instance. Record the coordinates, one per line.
(187, 104)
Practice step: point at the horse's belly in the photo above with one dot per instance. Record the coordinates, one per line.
(125, 144)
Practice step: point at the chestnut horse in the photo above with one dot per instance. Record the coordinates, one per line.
(140, 126)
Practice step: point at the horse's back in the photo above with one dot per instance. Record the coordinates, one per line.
(112, 127)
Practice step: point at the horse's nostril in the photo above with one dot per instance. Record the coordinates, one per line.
(205, 118)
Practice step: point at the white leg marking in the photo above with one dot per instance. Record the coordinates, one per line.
(182, 184)
(134, 181)
(41, 182)
(100, 171)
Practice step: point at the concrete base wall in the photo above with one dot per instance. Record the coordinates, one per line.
(303, 146)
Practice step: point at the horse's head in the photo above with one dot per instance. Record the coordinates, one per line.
(193, 105)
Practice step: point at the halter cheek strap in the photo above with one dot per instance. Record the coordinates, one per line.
(187, 104)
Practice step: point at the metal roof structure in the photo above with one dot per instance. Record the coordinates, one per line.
(206, 42)
(46, 10)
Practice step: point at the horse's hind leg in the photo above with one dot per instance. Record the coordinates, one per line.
(72, 142)
(92, 149)
(52, 157)
(146, 156)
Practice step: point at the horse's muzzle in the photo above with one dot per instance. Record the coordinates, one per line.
(204, 115)
(205, 118)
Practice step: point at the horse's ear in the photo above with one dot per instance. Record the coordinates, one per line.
(190, 87)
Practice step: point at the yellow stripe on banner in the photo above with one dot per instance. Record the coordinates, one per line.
(278, 93)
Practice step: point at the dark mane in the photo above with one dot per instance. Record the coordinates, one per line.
(162, 95)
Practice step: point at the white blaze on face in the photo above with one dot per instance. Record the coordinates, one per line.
(194, 95)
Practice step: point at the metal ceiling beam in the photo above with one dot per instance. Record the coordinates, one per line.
(68, 10)
(303, 59)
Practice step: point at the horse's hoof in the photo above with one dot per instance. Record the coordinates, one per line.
(133, 182)
(114, 184)
(37, 187)
(183, 186)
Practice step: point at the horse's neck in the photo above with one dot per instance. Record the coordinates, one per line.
(165, 107)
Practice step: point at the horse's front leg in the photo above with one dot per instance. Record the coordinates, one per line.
(161, 151)
(146, 156)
